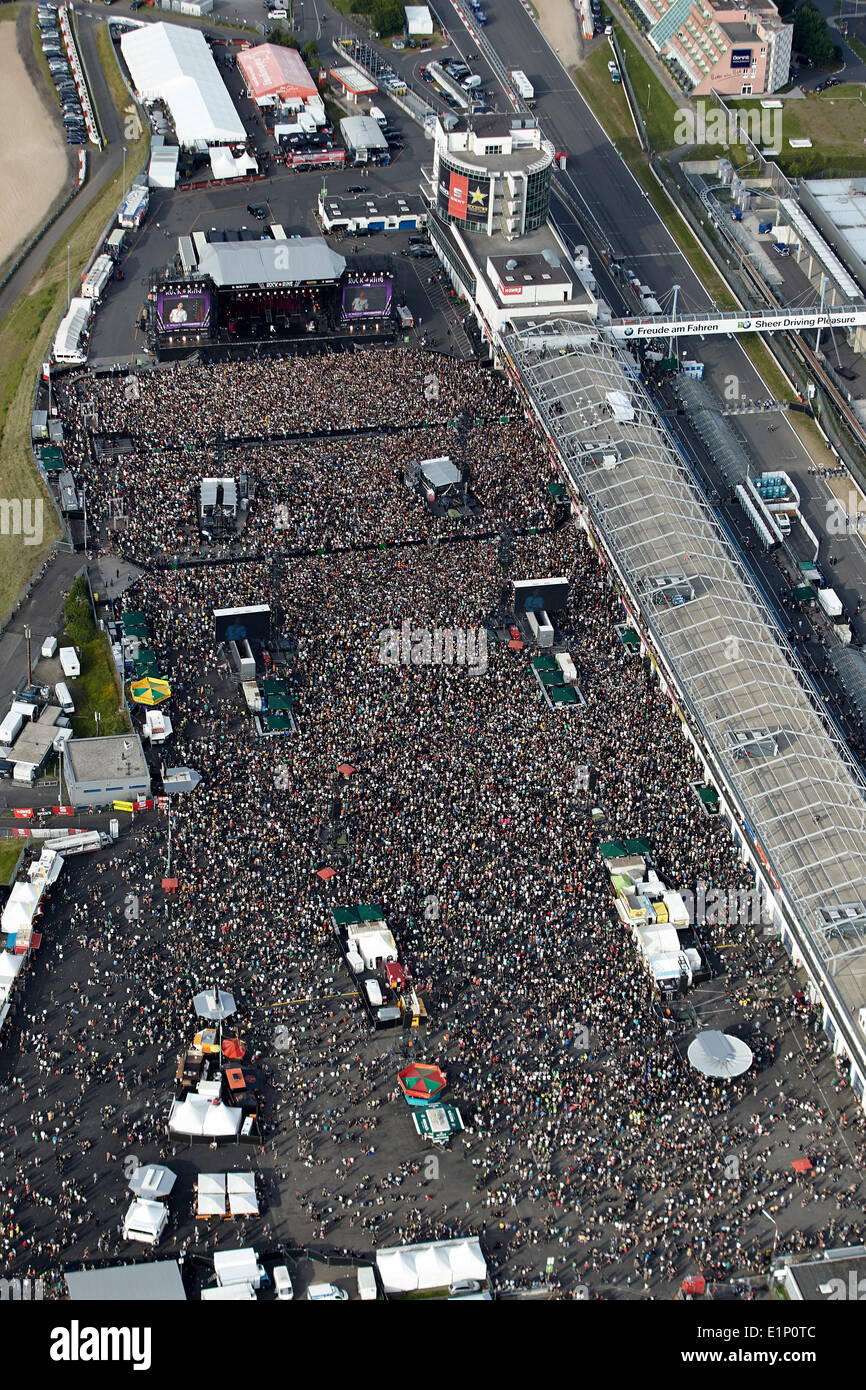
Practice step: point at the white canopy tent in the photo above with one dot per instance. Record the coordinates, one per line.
(21, 906)
(241, 1188)
(719, 1054)
(196, 1117)
(145, 1221)
(152, 1180)
(10, 965)
(436, 1265)
(211, 1195)
(67, 341)
(375, 946)
(173, 63)
(225, 165)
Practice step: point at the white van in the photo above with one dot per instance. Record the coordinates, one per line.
(367, 1289)
(378, 115)
(49, 647)
(63, 698)
(373, 993)
(69, 662)
(326, 1293)
(283, 1283)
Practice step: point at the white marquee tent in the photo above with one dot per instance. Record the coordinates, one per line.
(241, 1188)
(437, 1265)
(172, 63)
(198, 1117)
(145, 1221)
(211, 1196)
(21, 906)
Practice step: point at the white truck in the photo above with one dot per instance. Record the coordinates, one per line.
(252, 696)
(831, 604)
(69, 663)
(522, 86)
(157, 726)
(11, 728)
(79, 844)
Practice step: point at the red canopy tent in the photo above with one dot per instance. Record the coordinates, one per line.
(801, 1165)
(396, 974)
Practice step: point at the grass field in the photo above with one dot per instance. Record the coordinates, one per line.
(26, 334)
(10, 848)
(8, 12)
(96, 690)
(835, 122)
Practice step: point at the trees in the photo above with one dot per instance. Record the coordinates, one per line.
(812, 37)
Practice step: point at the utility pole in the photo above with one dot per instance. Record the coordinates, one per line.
(68, 276)
(29, 668)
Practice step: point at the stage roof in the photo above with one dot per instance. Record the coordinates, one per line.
(274, 71)
(308, 259)
(157, 1281)
(172, 63)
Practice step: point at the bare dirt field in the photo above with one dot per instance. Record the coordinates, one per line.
(34, 157)
(561, 27)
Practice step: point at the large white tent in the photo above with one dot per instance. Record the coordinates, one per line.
(211, 1194)
(172, 63)
(437, 1265)
(720, 1054)
(21, 906)
(197, 1117)
(241, 1188)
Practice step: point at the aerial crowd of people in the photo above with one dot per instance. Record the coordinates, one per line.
(594, 1157)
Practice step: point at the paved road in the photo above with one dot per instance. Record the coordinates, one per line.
(627, 219)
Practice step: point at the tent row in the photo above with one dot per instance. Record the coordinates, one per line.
(437, 1265)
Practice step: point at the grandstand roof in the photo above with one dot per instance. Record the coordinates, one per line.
(303, 260)
(271, 70)
(804, 807)
(173, 64)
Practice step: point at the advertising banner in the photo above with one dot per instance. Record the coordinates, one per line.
(21, 814)
(741, 57)
(477, 200)
(185, 310)
(458, 188)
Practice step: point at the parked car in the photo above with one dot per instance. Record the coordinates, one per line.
(76, 137)
(258, 210)
(356, 188)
